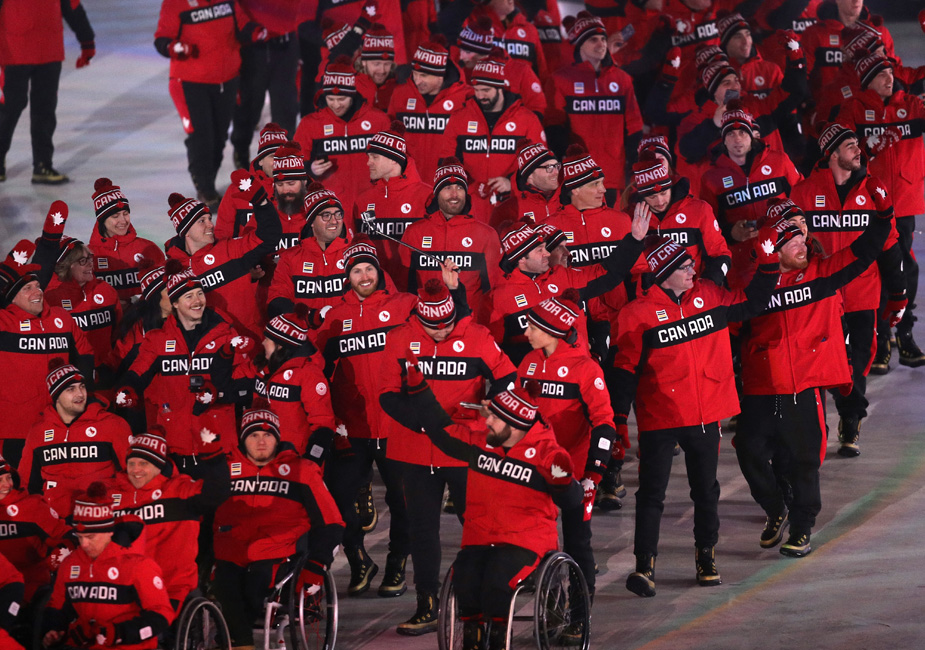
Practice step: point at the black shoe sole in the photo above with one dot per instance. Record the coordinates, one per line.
(391, 592)
(426, 628)
(848, 452)
(793, 552)
(44, 181)
(880, 370)
(917, 363)
(713, 581)
(610, 504)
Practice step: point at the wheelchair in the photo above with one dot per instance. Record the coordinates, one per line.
(309, 614)
(560, 597)
(201, 626)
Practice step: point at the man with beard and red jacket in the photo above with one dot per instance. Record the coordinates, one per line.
(484, 134)
(32, 535)
(118, 252)
(514, 33)
(536, 196)
(201, 41)
(108, 593)
(191, 371)
(890, 122)
(312, 273)
(224, 266)
(335, 136)
(376, 67)
(597, 100)
(518, 477)
(33, 333)
(398, 198)
(674, 357)
(31, 52)
(449, 231)
(171, 505)
(838, 208)
(791, 354)
(74, 441)
(425, 102)
(458, 357)
(757, 75)
(278, 510)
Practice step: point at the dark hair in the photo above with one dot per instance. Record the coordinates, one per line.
(147, 311)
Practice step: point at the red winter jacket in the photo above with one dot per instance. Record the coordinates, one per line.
(521, 80)
(390, 15)
(298, 394)
(352, 341)
(275, 511)
(60, 459)
(591, 235)
(94, 307)
(516, 35)
(674, 356)
(398, 202)
(902, 166)
(118, 258)
(309, 275)
(575, 402)
(473, 245)
(758, 76)
(528, 205)
(31, 33)
(278, 16)
(424, 122)
(457, 370)
(602, 115)
(29, 530)
(27, 344)
(163, 368)
(376, 96)
(343, 142)
(122, 587)
(209, 25)
(836, 225)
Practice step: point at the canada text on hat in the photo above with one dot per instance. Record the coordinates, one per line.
(184, 212)
(149, 446)
(707, 54)
(271, 138)
(728, 25)
(860, 39)
(555, 316)
(60, 376)
(552, 236)
(735, 117)
(181, 280)
(93, 510)
(712, 75)
(333, 33)
(287, 330)
(584, 27)
(430, 58)
(152, 282)
(782, 208)
(317, 199)
(337, 81)
(435, 308)
(650, 175)
(259, 419)
(288, 163)
(478, 37)
(378, 44)
(579, 168)
(449, 172)
(832, 136)
(391, 144)
(359, 252)
(786, 230)
(870, 66)
(517, 242)
(108, 199)
(517, 406)
(664, 256)
(655, 144)
(489, 72)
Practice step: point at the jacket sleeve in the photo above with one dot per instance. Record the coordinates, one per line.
(265, 238)
(497, 368)
(327, 527)
(282, 291)
(617, 266)
(627, 361)
(596, 400)
(156, 612)
(168, 27)
(421, 411)
(29, 473)
(696, 138)
(754, 299)
(59, 612)
(143, 369)
(848, 263)
(76, 19)
(656, 106)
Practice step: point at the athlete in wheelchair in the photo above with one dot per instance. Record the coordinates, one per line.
(517, 477)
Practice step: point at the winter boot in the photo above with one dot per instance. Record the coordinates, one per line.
(881, 362)
(497, 634)
(797, 545)
(473, 635)
(393, 582)
(642, 581)
(707, 575)
(909, 353)
(43, 174)
(366, 509)
(424, 619)
(774, 529)
(362, 571)
(849, 430)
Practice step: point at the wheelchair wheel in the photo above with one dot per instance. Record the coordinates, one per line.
(202, 627)
(312, 616)
(449, 627)
(563, 605)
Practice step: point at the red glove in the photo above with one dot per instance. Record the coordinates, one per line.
(845, 389)
(877, 144)
(342, 447)
(922, 19)
(243, 345)
(256, 33)
(87, 52)
(623, 432)
(126, 397)
(414, 380)
(558, 471)
(311, 576)
(880, 196)
(247, 187)
(182, 51)
(206, 396)
(672, 65)
(208, 437)
(57, 556)
(55, 220)
(791, 43)
(894, 308)
(766, 244)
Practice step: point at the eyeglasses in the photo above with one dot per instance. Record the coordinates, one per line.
(687, 268)
(328, 216)
(551, 167)
(84, 261)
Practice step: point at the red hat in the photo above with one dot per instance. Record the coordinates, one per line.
(339, 77)
(150, 446)
(707, 54)
(152, 282)
(517, 242)
(869, 67)
(650, 176)
(108, 199)
(288, 163)
(714, 73)
(782, 208)
(6, 468)
(518, 406)
(583, 27)
(317, 198)
(831, 137)
(728, 26)
(548, 30)
(180, 279)
(786, 230)
(655, 144)
(93, 510)
(664, 256)
(391, 144)
(333, 32)
(478, 37)
(579, 168)
(378, 44)
(290, 330)
(359, 252)
(61, 375)
(272, 137)
(859, 40)
(552, 237)
(184, 212)
(449, 172)
(259, 418)
(431, 57)
(530, 157)
(490, 71)
(435, 308)
(66, 245)
(736, 117)
(15, 270)
(557, 316)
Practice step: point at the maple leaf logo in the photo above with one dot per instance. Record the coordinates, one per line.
(881, 192)
(245, 184)
(121, 398)
(341, 430)
(873, 140)
(681, 26)
(20, 257)
(207, 436)
(206, 397)
(237, 341)
(793, 45)
(371, 10)
(57, 219)
(767, 247)
(557, 472)
(675, 62)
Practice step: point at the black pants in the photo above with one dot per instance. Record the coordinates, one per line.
(347, 476)
(206, 111)
(310, 42)
(241, 592)
(906, 227)
(484, 578)
(860, 341)
(266, 67)
(576, 541)
(795, 426)
(36, 85)
(423, 489)
(701, 454)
